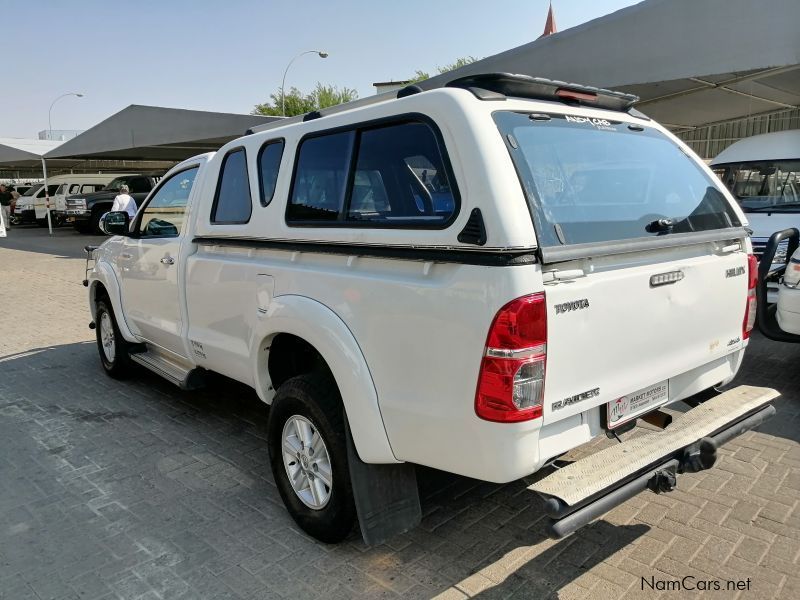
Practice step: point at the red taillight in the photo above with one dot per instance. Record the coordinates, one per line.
(752, 302)
(511, 381)
(568, 94)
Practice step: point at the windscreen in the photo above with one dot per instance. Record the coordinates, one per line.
(764, 186)
(116, 184)
(597, 180)
(33, 189)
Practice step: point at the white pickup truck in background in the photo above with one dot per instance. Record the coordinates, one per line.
(478, 278)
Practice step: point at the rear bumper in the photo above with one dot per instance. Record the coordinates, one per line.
(587, 488)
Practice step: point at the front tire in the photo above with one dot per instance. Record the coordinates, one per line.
(94, 222)
(308, 456)
(113, 348)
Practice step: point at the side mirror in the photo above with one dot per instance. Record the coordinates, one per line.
(115, 223)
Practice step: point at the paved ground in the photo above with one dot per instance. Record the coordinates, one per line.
(138, 490)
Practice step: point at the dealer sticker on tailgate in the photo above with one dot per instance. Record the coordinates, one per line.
(631, 406)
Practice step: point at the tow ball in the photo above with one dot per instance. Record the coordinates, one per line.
(697, 457)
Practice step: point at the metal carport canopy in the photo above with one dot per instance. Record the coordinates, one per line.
(18, 152)
(157, 133)
(691, 62)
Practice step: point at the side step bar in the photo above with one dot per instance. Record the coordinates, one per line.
(590, 487)
(171, 370)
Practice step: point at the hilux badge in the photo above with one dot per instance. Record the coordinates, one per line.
(734, 272)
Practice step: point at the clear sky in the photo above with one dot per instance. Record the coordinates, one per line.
(227, 55)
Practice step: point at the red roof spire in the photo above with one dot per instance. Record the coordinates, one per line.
(550, 24)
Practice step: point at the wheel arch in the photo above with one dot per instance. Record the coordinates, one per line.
(103, 280)
(322, 329)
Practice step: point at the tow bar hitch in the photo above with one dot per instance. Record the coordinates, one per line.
(585, 489)
(663, 481)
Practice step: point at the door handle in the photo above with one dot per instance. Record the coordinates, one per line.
(167, 260)
(125, 256)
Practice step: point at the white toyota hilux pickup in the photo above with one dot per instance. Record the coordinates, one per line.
(477, 278)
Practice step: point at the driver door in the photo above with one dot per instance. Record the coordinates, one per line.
(150, 264)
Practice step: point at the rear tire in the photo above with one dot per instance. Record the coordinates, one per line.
(307, 439)
(82, 226)
(113, 348)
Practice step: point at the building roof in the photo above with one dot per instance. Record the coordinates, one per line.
(402, 82)
(157, 133)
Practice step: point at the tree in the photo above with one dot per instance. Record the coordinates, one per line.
(459, 62)
(298, 103)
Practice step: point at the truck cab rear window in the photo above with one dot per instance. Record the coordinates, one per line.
(233, 204)
(595, 180)
(269, 162)
(398, 179)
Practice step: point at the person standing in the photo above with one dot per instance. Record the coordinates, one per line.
(5, 205)
(124, 202)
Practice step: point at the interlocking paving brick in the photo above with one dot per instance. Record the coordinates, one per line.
(136, 489)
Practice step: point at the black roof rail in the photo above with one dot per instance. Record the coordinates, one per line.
(310, 116)
(488, 86)
(409, 90)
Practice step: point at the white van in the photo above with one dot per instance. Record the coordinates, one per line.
(763, 173)
(31, 207)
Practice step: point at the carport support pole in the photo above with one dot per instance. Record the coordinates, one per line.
(47, 197)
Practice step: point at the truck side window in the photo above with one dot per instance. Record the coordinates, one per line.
(232, 203)
(164, 214)
(320, 178)
(400, 177)
(269, 161)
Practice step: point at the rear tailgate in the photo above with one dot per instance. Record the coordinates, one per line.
(616, 331)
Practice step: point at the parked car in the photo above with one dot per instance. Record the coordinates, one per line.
(565, 267)
(789, 297)
(31, 207)
(24, 210)
(84, 210)
(79, 184)
(763, 172)
(780, 321)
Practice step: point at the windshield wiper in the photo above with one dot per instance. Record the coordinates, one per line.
(660, 226)
(771, 207)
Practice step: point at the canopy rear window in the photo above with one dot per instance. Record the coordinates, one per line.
(597, 180)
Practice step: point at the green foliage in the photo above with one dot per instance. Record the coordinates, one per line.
(459, 62)
(298, 103)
